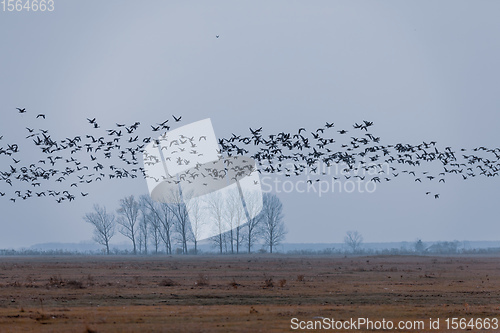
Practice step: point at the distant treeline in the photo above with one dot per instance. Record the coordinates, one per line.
(394, 251)
(440, 248)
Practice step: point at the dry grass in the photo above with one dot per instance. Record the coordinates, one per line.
(168, 283)
(124, 294)
(58, 282)
(202, 280)
(234, 284)
(268, 282)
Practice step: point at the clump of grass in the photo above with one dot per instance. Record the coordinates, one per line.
(89, 330)
(42, 317)
(202, 280)
(59, 282)
(167, 283)
(55, 281)
(137, 280)
(282, 283)
(234, 284)
(268, 282)
(15, 284)
(29, 282)
(75, 284)
(90, 280)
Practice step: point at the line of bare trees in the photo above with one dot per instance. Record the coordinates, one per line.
(153, 227)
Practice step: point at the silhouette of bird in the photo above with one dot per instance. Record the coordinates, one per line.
(65, 158)
(21, 110)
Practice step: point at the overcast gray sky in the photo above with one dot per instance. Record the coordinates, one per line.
(420, 70)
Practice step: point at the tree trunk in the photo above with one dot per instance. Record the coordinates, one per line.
(232, 242)
(249, 241)
(238, 240)
(220, 243)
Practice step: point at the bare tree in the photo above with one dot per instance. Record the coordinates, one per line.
(273, 227)
(253, 204)
(104, 225)
(155, 228)
(144, 232)
(144, 226)
(234, 213)
(419, 246)
(353, 240)
(216, 208)
(129, 213)
(237, 218)
(165, 218)
(167, 221)
(181, 213)
(196, 214)
(149, 224)
(139, 240)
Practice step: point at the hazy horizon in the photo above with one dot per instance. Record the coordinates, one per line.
(419, 71)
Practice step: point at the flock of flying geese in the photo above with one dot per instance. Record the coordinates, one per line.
(74, 162)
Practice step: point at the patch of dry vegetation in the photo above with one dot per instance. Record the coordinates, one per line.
(113, 294)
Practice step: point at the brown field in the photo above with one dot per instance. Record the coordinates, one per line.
(240, 293)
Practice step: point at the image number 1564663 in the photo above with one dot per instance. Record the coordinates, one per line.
(27, 5)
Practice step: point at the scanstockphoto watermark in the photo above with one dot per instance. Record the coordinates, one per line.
(354, 324)
(322, 178)
(431, 324)
(319, 186)
(363, 168)
(184, 167)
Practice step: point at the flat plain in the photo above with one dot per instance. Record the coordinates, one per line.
(245, 293)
